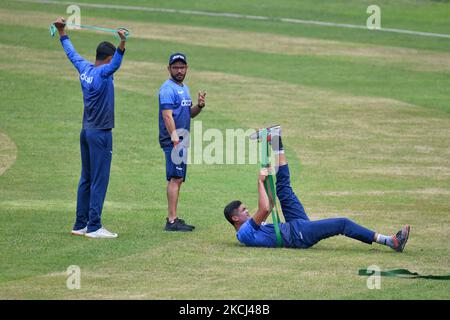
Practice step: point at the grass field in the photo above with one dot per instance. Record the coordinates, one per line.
(366, 121)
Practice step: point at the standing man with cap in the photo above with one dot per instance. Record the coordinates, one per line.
(175, 113)
(96, 136)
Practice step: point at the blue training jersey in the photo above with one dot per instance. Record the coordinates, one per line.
(97, 84)
(253, 235)
(175, 97)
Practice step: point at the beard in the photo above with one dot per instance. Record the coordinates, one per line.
(179, 77)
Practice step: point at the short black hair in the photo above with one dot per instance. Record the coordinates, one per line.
(230, 210)
(104, 50)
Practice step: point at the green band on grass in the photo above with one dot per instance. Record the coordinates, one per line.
(401, 273)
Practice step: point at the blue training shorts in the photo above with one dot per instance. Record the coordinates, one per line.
(178, 168)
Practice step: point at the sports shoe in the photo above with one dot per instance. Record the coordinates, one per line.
(101, 233)
(79, 232)
(273, 138)
(273, 130)
(178, 225)
(182, 221)
(401, 238)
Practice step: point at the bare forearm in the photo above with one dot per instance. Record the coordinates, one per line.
(122, 45)
(263, 201)
(263, 205)
(171, 128)
(195, 110)
(62, 32)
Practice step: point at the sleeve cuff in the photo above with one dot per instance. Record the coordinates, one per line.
(62, 38)
(166, 106)
(120, 51)
(253, 224)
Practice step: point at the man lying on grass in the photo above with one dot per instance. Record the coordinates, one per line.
(298, 231)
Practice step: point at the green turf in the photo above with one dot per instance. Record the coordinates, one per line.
(366, 137)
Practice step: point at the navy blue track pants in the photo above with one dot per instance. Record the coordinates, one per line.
(96, 155)
(306, 233)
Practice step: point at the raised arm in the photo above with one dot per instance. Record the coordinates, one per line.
(195, 110)
(263, 200)
(77, 60)
(109, 68)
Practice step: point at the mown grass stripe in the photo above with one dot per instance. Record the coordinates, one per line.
(239, 16)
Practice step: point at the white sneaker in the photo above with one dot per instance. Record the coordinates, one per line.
(80, 232)
(101, 233)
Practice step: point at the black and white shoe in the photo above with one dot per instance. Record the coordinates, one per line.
(178, 225)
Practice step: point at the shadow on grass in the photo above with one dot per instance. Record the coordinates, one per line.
(317, 249)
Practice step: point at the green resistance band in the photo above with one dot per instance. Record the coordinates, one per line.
(269, 185)
(53, 29)
(402, 273)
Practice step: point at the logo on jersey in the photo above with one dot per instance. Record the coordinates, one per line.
(83, 77)
(186, 103)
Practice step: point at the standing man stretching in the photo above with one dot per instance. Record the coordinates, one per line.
(96, 135)
(175, 113)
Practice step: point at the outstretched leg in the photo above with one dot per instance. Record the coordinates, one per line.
(311, 232)
(308, 233)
